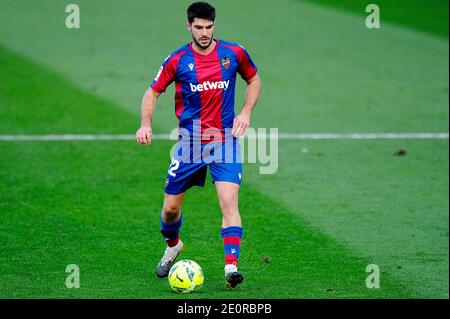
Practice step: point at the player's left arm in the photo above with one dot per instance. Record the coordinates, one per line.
(242, 121)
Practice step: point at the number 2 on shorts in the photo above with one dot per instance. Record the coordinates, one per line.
(173, 167)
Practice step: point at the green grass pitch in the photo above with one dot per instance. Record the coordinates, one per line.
(332, 208)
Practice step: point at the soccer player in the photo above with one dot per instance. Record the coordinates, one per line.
(204, 72)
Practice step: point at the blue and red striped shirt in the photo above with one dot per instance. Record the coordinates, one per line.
(205, 86)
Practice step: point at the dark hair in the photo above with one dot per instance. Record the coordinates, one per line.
(201, 10)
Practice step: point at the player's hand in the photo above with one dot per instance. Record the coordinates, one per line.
(240, 124)
(144, 135)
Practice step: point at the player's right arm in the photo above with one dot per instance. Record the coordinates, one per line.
(165, 76)
(144, 134)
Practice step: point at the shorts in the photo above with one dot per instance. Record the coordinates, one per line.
(190, 162)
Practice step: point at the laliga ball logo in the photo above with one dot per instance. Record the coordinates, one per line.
(186, 276)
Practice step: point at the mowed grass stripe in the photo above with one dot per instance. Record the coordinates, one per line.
(325, 72)
(34, 100)
(97, 205)
(422, 15)
(387, 200)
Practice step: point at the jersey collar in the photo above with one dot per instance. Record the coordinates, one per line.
(204, 55)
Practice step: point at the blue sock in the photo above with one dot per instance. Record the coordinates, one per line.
(171, 231)
(232, 244)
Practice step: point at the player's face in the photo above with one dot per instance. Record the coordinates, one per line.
(202, 32)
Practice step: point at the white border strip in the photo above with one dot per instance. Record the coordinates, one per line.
(363, 136)
(281, 136)
(77, 137)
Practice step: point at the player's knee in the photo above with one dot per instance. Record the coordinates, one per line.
(171, 211)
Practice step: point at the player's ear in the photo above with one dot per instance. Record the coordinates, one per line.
(188, 26)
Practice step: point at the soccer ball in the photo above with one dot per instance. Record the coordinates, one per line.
(186, 276)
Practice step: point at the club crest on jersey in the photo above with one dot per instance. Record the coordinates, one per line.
(226, 62)
(191, 66)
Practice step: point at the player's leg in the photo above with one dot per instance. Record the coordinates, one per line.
(231, 231)
(180, 177)
(227, 193)
(171, 220)
(226, 173)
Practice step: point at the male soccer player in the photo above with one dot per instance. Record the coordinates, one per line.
(204, 72)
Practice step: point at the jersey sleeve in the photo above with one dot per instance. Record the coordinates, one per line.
(247, 69)
(166, 75)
